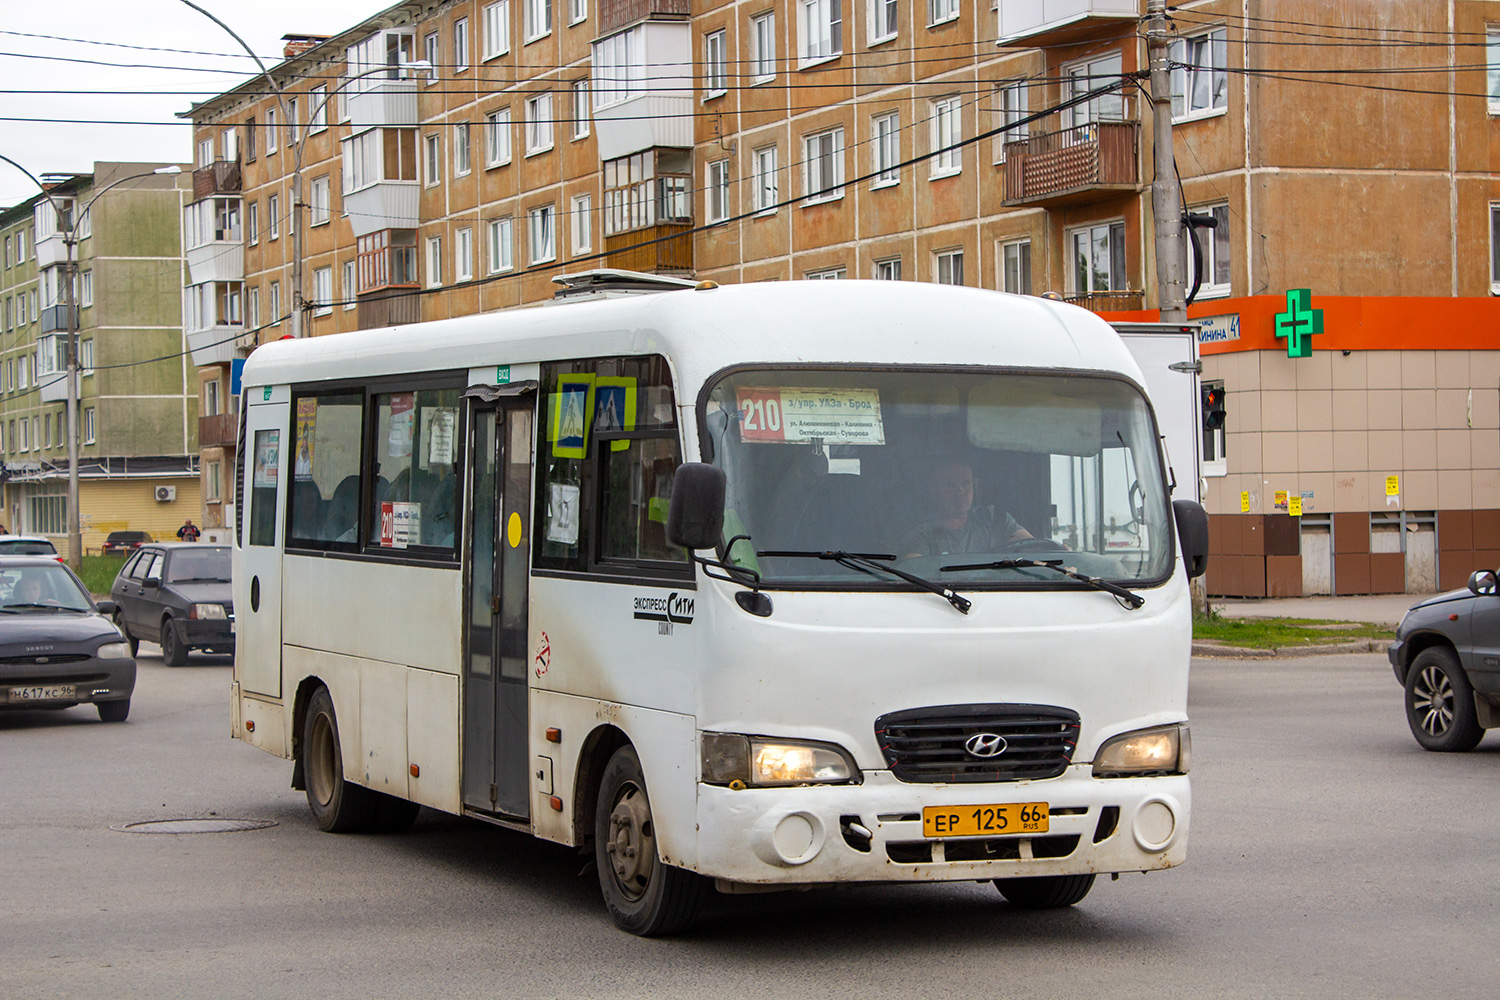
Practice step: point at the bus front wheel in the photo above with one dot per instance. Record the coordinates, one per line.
(337, 805)
(643, 895)
(1045, 892)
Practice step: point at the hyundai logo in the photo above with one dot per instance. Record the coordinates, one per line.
(985, 745)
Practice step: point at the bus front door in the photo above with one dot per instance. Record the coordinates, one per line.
(496, 770)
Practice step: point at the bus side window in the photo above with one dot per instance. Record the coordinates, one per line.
(262, 489)
(325, 453)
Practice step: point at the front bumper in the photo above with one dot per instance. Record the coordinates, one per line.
(812, 834)
(1396, 653)
(90, 680)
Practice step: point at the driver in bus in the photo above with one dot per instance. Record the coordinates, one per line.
(956, 524)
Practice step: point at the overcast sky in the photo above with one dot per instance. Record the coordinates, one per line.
(127, 111)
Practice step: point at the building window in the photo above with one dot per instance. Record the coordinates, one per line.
(86, 357)
(497, 138)
(318, 101)
(1080, 78)
(1010, 115)
(496, 29)
(1495, 249)
(254, 316)
(211, 487)
(252, 223)
(500, 246)
(1214, 245)
(1200, 78)
(88, 425)
(765, 179)
(461, 160)
(578, 10)
(322, 291)
(716, 191)
(824, 163)
(387, 258)
(430, 53)
(885, 147)
(434, 261)
(434, 159)
(647, 188)
(949, 267)
(537, 18)
(249, 140)
(460, 45)
(318, 202)
(763, 47)
(619, 68)
(821, 28)
(463, 255)
(580, 97)
(715, 72)
(538, 124)
(583, 229)
(206, 151)
(947, 132)
(827, 274)
(939, 11)
(275, 304)
(885, 20)
(270, 131)
(1015, 264)
(543, 234)
(85, 294)
(273, 215)
(350, 286)
(1492, 69)
(888, 270)
(1098, 258)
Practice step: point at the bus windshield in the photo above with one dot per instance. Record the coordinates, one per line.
(955, 476)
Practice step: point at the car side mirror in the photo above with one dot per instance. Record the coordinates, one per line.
(153, 581)
(695, 519)
(1483, 583)
(106, 607)
(1192, 534)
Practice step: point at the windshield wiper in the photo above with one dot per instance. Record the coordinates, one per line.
(44, 607)
(868, 562)
(1127, 599)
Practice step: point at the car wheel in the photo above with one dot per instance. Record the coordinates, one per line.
(1440, 703)
(173, 652)
(338, 806)
(135, 644)
(643, 895)
(1046, 892)
(113, 711)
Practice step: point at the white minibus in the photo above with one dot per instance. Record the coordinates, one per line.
(738, 588)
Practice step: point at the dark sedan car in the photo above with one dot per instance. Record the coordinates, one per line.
(57, 648)
(121, 542)
(1447, 655)
(178, 594)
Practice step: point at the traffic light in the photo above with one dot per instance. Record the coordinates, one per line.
(1213, 407)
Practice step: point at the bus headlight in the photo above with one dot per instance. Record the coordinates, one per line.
(755, 760)
(113, 651)
(209, 611)
(1154, 751)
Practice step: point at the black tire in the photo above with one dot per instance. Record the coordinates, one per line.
(643, 896)
(1440, 703)
(135, 644)
(173, 652)
(393, 815)
(113, 711)
(1045, 892)
(338, 806)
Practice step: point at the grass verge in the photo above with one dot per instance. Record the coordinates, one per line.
(98, 572)
(1281, 633)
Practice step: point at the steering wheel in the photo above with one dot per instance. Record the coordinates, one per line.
(1036, 545)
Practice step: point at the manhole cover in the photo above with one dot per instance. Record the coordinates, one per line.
(210, 825)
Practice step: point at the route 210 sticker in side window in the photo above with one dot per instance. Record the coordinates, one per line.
(833, 416)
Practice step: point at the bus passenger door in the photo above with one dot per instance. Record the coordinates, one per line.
(257, 606)
(496, 764)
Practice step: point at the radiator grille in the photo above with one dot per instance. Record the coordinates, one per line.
(930, 745)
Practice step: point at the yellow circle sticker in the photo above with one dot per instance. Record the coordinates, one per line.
(513, 529)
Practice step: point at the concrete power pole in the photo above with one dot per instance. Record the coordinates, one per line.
(1166, 193)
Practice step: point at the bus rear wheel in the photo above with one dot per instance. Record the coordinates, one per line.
(643, 895)
(338, 806)
(1045, 892)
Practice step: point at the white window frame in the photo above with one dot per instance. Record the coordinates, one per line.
(950, 261)
(252, 223)
(320, 201)
(579, 91)
(767, 183)
(432, 159)
(463, 254)
(827, 274)
(1210, 240)
(1208, 53)
(317, 99)
(538, 124)
(271, 144)
(501, 248)
(542, 229)
(323, 291)
(497, 151)
(578, 11)
(463, 150)
(619, 67)
(941, 12)
(820, 31)
(434, 262)
(887, 269)
(86, 357)
(461, 45)
(946, 126)
(273, 216)
(85, 293)
(582, 218)
(1090, 74)
(1114, 228)
(537, 18)
(274, 301)
(884, 21)
(885, 149)
(763, 47)
(350, 288)
(496, 29)
(715, 65)
(253, 312)
(88, 425)
(1011, 101)
(205, 157)
(716, 191)
(431, 51)
(1492, 68)
(823, 166)
(1017, 279)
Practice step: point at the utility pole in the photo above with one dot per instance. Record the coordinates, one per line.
(1166, 193)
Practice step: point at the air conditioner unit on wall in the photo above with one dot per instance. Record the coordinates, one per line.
(166, 494)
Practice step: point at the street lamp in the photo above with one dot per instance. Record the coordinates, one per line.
(69, 225)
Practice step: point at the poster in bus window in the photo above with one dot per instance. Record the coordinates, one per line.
(403, 411)
(440, 425)
(569, 433)
(307, 425)
(798, 415)
(562, 513)
(614, 406)
(267, 444)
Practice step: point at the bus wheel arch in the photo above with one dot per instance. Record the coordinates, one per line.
(598, 748)
(305, 690)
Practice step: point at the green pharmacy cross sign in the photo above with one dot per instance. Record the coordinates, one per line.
(1299, 323)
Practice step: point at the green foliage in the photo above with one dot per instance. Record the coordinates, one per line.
(1279, 633)
(99, 572)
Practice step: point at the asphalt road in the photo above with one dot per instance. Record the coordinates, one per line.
(1330, 857)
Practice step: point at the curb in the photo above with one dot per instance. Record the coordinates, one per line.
(1217, 651)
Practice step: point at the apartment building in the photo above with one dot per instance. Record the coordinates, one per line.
(1005, 145)
(138, 450)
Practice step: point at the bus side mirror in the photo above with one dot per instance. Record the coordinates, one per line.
(1192, 534)
(695, 519)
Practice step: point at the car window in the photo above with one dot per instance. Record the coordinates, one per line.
(26, 547)
(41, 588)
(134, 565)
(155, 569)
(199, 564)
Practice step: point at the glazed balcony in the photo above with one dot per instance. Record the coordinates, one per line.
(1052, 22)
(383, 102)
(1072, 165)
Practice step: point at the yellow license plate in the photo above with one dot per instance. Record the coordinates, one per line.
(984, 821)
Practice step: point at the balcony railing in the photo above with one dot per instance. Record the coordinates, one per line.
(219, 177)
(55, 318)
(217, 431)
(669, 251)
(1120, 300)
(618, 13)
(388, 307)
(1072, 164)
